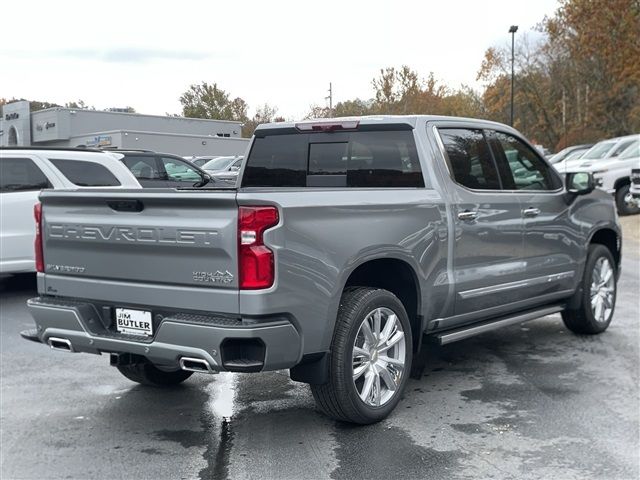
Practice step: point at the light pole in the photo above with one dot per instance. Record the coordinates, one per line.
(512, 30)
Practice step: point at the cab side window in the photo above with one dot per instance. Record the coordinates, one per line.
(470, 160)
(21, 174)
(522, 168)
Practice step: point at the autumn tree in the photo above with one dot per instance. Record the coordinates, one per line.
(581, 83)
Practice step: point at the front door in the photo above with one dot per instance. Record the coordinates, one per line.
(552, 239)
(488, 253)
(179, 173)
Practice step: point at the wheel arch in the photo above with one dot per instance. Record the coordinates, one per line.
(620, 182)
(398, 276)
(369, 271)
(611, 239)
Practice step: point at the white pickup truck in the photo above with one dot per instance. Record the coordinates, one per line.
(24, 172)
(612, 172)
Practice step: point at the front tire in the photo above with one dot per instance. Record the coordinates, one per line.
(370, 357)
(146, 373)
(597, 296)
(624, 201)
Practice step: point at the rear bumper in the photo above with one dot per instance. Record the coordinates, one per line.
(227, 344)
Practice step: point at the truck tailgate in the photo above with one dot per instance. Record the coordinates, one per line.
(165, 247)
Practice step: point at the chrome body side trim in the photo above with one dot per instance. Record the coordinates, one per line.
(477, 292)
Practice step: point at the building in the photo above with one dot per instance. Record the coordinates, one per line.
(69, 127)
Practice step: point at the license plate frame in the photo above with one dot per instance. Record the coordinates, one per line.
(130, 321)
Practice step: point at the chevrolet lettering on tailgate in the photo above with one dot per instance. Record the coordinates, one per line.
(133, 234)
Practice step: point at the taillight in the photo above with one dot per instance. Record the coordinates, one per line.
(37, 244)
(255, 260)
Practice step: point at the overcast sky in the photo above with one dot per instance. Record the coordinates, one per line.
(285, 53)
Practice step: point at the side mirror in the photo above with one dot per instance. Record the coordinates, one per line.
(206, 178)
(234, 168)
(580, 183)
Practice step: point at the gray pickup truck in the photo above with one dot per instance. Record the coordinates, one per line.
(346, 244)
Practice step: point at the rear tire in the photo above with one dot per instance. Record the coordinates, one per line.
(146, 373)
(624, 201)
(597, 295)
(369, 365)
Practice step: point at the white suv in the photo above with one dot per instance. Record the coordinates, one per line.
(24, 172)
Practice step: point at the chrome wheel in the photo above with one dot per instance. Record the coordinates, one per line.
(379, 356)
(602, 290)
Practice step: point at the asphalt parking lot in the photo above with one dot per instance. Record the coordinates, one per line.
(531, 401)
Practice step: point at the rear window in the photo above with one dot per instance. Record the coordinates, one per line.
(85, 174)
(372, 159)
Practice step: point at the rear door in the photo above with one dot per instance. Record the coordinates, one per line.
(552, 238)
(488, 249)
(147, 247)
(20, 183)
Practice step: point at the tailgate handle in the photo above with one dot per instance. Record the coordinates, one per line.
(126, 205)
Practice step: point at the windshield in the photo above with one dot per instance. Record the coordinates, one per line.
(599, 150)
(218, 163)
(562, 155)
(631, 151)
(577, 154)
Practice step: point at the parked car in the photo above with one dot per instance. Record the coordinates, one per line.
(160, 170)
(613, 175)
(200, 161)
(24, 172)
(574, 151)
(345, 242)
(603, 150)
(224, 170)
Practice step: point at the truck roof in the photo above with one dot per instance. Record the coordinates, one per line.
(380, 120)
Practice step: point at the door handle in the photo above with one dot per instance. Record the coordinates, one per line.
(531, 212)
(467, 215)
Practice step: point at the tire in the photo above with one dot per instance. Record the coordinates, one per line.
(340, 398)
(587, 319)
(624, 202)
(146, 373)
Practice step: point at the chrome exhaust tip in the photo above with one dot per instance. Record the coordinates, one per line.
(62, 344)
(191, 364)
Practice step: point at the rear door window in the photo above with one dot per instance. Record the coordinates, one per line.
(469, 158)
(21, 174)
(85, 174)
(371, 159)
(144, 168)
